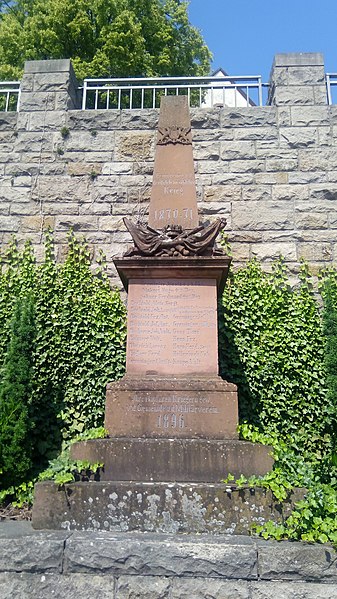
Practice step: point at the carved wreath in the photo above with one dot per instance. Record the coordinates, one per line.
(174, 135)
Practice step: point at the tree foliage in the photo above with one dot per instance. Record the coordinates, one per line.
(104, 38)
(15, 392)
(79, 343)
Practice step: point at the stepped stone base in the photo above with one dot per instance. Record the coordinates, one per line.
(170, 460)
(157, 507)
(172, 406)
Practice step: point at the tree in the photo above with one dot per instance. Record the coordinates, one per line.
(104, 38)
(15, 391)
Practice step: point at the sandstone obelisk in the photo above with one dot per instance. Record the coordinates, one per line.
(172, 420)
(173, 195)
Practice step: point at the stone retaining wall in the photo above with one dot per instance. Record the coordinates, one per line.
(271, 171)
(40, 565)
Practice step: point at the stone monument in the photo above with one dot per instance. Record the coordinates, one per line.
(171, 419)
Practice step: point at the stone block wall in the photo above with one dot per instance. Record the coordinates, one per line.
(270, 171)
(107, 565)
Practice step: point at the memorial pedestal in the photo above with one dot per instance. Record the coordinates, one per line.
(165, 427)
(179, 407)
(171, 420)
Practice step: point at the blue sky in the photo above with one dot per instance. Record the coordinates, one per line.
(244, 35)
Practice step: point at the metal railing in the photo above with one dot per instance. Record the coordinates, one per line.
(9, 96)
(331, 83)
(142, 93)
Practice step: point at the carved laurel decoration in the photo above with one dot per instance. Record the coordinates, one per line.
(173, 240)
(174, 135)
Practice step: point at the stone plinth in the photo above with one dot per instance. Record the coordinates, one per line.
(172, 388)
(170, 460)
(172, 314)
(155, 507)
(179, 407)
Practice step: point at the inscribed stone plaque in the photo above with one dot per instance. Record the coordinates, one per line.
(190, 407)
(172, 326)
(173, 194)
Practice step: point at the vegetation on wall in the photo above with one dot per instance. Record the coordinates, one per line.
(271, 346)
(275, 345)
(77, 347)
(63, 338)
(104, 38)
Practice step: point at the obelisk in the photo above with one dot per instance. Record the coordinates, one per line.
(172, 385)
(173, 196)
(172, 420)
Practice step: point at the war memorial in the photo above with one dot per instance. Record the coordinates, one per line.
(159, 522)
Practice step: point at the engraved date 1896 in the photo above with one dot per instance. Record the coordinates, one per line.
(170, 421)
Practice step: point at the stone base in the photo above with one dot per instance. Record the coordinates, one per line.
(157, 507)
(170, 460)
(152, 406)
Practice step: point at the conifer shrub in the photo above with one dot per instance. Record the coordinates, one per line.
(79, 342)
(15, 394)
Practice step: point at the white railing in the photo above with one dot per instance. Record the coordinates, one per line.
(331, 83)
(141, 93)
(9, 95)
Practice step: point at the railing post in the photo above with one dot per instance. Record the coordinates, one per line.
(48, 85)
(84, 95)
(328, 88)
(260, 91)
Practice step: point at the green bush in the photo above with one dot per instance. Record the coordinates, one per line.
(15, 393)
(79, 344)
(271, 346)
(281, 351)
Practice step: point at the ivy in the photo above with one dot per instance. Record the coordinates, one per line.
(63, 469)
(275, 342)
(281, 351)
(271, 346)
(79, 345)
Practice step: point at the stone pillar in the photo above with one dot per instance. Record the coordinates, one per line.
(297, 79)
(48, 85)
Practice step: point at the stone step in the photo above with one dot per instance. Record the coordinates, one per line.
(155, 507)
(176, 460)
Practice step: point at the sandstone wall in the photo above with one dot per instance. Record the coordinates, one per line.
(271, 171)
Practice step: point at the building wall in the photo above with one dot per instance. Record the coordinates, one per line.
(270, 171)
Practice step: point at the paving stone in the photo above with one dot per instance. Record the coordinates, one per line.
(143, 587)
(23, 549)
(131, 554)
(295, 590)
(208, 588)
(297, 561)
(53, 586)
